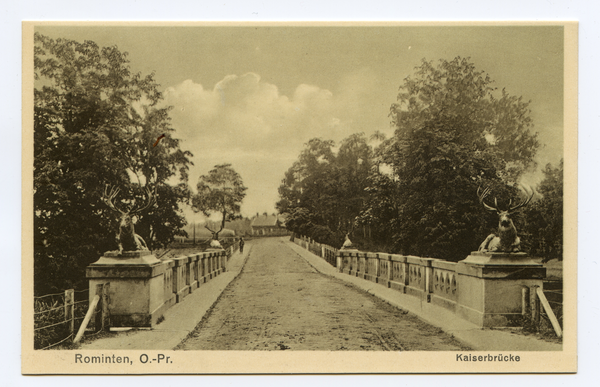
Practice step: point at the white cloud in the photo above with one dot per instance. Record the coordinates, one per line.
(248, 123)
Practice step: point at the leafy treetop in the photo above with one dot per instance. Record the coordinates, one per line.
(94, 125)
(220, 191)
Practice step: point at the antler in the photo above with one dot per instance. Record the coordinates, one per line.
(109, 197)
(483, 195)
(525, 202)
(151, 201)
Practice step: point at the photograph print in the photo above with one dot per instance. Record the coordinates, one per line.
(360, 196)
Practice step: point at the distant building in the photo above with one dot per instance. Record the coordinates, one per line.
(268, 225)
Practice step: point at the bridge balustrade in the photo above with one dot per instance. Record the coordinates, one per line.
(485, 288)
(444, 288)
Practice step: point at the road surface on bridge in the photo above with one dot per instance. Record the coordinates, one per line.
(281, 302)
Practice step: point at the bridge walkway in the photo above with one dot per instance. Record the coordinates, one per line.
(281, 302)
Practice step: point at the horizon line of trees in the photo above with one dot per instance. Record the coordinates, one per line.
(416, 192)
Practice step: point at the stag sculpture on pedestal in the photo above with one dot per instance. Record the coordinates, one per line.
(505, 239)
(127, 238)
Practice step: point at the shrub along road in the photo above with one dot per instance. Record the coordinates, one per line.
(280, 302)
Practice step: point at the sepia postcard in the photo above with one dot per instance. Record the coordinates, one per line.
(299, 197)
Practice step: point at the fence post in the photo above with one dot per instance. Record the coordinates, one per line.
(98, 316)
(525, 297)
(549, 312)
(70, 309)
(535, 307)
(87, 318)
(105, 310)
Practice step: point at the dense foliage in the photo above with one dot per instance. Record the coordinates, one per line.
(452, 136)
(323, 192)
(545, 217)
(95, 123)
(416, 192)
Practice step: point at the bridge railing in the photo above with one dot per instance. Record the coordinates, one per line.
(485, 288)
(186, 273)
(319, 249)
(485, 293)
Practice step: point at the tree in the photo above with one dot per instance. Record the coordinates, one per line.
(323, 193)
(545, 217)
(307, 190)
(380, 205)
(221, 191)
(453, 135)
(94, 125)
(353, 162)
(380, 208)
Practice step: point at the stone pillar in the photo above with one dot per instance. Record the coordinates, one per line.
(359, 265)
(202, 269)
(390, 266)
(490, 287)
(188, 272)
(137, 293)
(195, 258)
(180, 278)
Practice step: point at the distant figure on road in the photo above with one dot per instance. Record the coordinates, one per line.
(241, 245)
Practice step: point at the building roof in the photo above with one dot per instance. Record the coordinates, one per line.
(268, 221)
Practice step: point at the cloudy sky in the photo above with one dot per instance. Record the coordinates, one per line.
(253, 96)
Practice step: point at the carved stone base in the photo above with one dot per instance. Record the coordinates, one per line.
(136, 278)
(490, 293)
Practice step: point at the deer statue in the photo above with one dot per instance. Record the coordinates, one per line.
(347, 242)
(127, 238)
(506, 239)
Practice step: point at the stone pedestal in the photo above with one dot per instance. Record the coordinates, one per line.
(490, 287)
(136, 297)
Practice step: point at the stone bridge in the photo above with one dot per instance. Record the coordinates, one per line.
(287, 295)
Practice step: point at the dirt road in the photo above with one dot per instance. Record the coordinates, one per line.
(280, 302)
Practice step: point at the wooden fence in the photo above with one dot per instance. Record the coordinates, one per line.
(58, 316)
